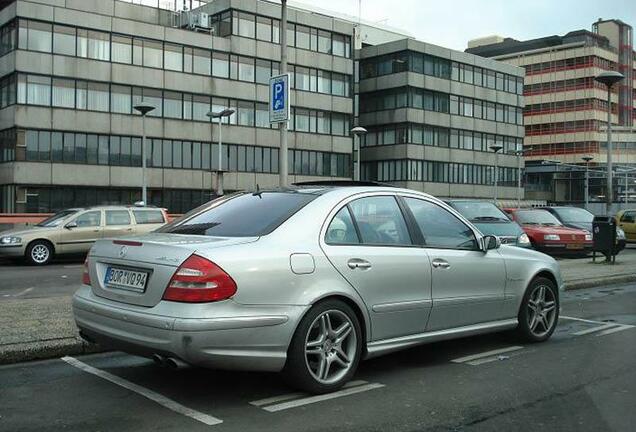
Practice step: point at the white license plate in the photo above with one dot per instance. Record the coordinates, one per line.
(125, 279)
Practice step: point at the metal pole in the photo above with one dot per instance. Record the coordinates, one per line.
(219, 173)
(282, 155)
(496, 174)
(518, 179)
(609, 190)
(587, 185)
(144, 191)
(626, 186)
(359, 138)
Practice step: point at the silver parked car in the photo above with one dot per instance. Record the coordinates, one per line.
(309, 281)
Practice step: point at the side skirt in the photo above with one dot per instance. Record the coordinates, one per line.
(386, 346)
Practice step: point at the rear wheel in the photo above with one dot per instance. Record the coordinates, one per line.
(539, 312)
(39, 252)
(325, 350)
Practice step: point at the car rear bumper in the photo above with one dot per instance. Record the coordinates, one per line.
(229, 336)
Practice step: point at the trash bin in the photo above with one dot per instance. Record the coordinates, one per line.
(604, 236)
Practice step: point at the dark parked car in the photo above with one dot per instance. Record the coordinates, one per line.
(576, 217)
(491, 220)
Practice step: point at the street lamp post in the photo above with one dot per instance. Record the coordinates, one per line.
(357, 132)
(587, 160)
(519, 153)
(143, 108)
(496, 149)
(219, 172)
(282, 126)
(609, 78)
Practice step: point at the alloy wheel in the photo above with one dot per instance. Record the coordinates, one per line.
(330, 346)
(541, 310)
(40, 253)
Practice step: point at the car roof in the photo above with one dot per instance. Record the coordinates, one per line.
(112, 207)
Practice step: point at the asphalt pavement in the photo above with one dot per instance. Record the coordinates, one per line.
(583, 379)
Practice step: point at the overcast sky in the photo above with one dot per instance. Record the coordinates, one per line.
(451, 23)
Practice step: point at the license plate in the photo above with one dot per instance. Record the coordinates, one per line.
(574, 246)
(126, 279)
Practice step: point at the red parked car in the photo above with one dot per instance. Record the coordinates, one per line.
(547, 234)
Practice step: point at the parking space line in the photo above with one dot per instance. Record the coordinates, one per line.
(581, 319)
(614, 330)
(149, 394)
(289, 396)
(319, 398)
(468, 359)
(595, 329)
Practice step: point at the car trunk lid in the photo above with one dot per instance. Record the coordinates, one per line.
(139, 268)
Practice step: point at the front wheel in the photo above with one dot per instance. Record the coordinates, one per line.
(539, 312)
(39, 253)
(325, 350)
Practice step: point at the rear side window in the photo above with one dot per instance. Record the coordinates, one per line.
(148, 217)
(341, 229)
(241, 215)
(380, 221)
(117, 217)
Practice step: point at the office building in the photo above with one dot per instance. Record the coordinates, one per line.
(565, 111)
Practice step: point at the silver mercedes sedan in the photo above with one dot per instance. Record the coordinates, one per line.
(309, 281)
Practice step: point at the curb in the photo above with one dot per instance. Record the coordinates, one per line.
(609, 280)
(41, 350)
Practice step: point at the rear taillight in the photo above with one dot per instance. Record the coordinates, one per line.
(86, 278)
(199, 280)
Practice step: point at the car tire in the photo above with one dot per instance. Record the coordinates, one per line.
(539, 311)
(331, 332)
(39, 253)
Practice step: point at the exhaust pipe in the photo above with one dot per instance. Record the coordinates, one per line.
(174, 363)
(159, 360)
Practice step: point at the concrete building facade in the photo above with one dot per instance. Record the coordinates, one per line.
(435, 115)
(565, 112)
(72, 71)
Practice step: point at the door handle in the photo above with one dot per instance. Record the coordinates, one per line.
(440, 263)
(356, 263)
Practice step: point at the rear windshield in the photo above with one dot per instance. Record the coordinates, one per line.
(573, 214)
(240, 215)
(478, 211)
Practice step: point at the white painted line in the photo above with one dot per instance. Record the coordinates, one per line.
(23, 292)
(581, 319)
(320, 398)
(594, 329)
(289, 396)
(486, 354)
(614, 330)
(149, 394)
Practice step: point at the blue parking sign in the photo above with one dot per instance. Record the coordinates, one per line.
(279, 98)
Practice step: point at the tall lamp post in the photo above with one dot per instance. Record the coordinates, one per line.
(219, 172)
(519, 153)
(143, 108)
(496, 149)
(357, 132)
(609, 78)
(587, 160)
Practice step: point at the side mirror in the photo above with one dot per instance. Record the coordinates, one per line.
(71, 225)
(491, 242)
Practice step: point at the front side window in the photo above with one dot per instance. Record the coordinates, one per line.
(341, 229)
(439, 227)
(89, 219)
(117, 217)
(380, 221)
